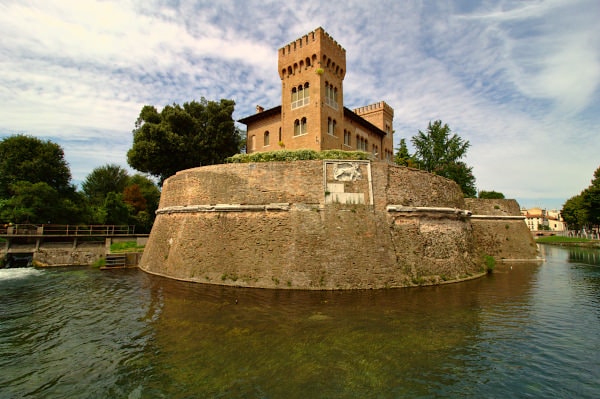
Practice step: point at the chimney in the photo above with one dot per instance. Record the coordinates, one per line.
(259, 109)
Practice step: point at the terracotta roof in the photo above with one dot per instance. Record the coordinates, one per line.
(360, 120)
(348, 113)
(260, 115)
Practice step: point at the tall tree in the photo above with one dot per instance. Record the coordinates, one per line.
(583, 210)
(591, 200)
(574, 212)
(182, 137)
(39, 203)
(149, 191)
(116, 211)
(403, 157)
(439, 152)
(26, 158)
(103, 180)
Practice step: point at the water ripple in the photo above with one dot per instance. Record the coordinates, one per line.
(526, 331)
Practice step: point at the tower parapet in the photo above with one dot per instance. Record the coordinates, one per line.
(378, 106)
(317, 48)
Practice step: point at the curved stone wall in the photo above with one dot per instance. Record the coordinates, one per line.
(313, 225)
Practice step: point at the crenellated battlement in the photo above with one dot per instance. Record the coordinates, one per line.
(318, 34)
(378, 106)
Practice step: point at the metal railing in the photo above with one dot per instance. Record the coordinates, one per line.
(67, 230)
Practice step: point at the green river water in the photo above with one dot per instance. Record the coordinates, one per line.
(529, 330)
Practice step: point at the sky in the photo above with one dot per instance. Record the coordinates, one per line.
(519, 80)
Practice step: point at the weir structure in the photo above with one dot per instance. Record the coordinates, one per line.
(65, 245)
(329, 224)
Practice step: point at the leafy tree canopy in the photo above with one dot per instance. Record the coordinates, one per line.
(26, 158)
(403, 157)
(182, 137)
(574, 212)
(583, 210)
(439, 152)
(591, 199)
(490, 195)
(40, 203)
(103, 180)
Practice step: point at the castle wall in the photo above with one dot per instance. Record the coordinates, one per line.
(498, 229)
(312, 225)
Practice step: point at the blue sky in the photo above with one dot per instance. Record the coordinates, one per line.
(518, 79)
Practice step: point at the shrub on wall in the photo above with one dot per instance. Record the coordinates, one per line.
(297, 155)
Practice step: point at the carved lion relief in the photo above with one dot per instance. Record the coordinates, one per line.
(347, 171)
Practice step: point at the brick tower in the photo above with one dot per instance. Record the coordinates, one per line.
(312, 71)
(312, 114)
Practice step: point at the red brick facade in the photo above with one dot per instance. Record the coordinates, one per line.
(312, 113)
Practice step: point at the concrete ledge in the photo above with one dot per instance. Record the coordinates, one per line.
(224, 208)
(427, 209)
(497, 217)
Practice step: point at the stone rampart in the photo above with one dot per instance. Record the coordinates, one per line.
(312, 225)
(500, 230)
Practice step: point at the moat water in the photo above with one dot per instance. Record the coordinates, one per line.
(526, 331)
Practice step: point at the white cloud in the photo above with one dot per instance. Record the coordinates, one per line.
(519, 80)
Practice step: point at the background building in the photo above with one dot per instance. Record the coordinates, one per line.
(542, 219)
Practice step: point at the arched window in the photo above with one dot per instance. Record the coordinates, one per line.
(280, 134)
(300, 96)
(297, 128)
(253, 142)
(303, 127)
(347, 136)
(266, 139)
(331, 95)
(331, 126)
(307, 62)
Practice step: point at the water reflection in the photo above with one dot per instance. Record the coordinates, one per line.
(527, 330)
(248, 343)
(588, 256)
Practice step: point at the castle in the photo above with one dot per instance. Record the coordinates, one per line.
(312, 113)
(325, 224)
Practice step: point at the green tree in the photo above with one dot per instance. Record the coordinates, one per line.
(29, 159)
(39, 203)
(182, 137)
(149, 191)
(439, 152)
(116, 210)
(403, 157)
(490, 195)
(574, 212)
(463, 175)
(583, 210)
(103, 180)
(591, 200)
(142, 195)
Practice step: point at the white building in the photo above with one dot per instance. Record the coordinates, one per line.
(542, 219)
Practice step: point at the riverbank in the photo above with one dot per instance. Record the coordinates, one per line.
(568, 241)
